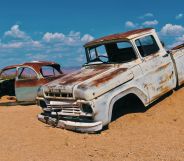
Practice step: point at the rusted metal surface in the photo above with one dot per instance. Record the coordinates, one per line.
(36, 65)
(32, 83)
(9, 67)
(107, 77)
(178, 47)
(120, 36)
(81, 75)
(94, 90)
(102, 83)
(26, 89)
(162, 67)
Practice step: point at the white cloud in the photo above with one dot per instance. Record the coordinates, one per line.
(180, 39)
(146, 15)
(74, 34)
(172, 30)
(80, 58)
(87, 38)
(179, 16)
(173, 45)
(48, 37)
(53, 46)
(150, 23)
(15, 32)
(33, 57)
(71, 39)
(35, 43)
(13, 45)
(130, 24)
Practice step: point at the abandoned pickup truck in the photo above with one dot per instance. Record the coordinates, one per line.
(127, 66)
(23, 80)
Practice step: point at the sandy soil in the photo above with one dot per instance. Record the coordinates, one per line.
(157, 134)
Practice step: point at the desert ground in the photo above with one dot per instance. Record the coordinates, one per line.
(154, 135)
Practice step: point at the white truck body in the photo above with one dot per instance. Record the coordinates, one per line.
(84, 100)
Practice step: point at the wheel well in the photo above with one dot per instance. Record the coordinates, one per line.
(127, 104)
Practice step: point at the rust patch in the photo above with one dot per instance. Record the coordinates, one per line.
(35, 65)
(38, 65)
(10, 67)
(82, 75)
(32, 83)
(162, 90)
(108, 77)
(103, 79)
(168, 77)
(152, 56)
(162, 67)
(178, 47)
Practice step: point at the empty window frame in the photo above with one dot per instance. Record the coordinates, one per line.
(147, 45)
(120, 52)
(49, 71)
(26, 73)
(8, 74)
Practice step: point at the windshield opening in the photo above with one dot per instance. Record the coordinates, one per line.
(116, 52)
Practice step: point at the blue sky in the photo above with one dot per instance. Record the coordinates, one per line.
(55, 30)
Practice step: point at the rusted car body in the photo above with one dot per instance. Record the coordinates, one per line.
(23, 80)
(127, 65)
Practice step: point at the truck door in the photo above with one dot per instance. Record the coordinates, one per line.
(157, 67)
(26, 84)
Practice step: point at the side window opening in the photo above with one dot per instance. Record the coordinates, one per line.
(26, 73)
(49, 71)
(147, 45)
(120, 52)
(8, 74)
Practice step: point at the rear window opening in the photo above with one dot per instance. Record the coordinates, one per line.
(8, 74)
(50, 71)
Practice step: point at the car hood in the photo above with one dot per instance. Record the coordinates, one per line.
(91, 81)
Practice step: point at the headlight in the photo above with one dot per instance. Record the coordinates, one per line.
(86, 108)
(42, 104)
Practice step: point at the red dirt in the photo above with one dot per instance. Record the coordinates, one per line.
(157, 134)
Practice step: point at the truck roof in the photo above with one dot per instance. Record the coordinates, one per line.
(120, 36)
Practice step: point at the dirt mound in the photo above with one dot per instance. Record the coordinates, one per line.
(7, 99)
(157, 134)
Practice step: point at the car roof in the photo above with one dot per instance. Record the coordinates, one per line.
(36, 65)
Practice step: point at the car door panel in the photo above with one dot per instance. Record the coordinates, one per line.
(157, 67)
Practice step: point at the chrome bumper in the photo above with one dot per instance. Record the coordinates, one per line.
(71, 125)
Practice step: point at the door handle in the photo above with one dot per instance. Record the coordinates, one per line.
(166, 55)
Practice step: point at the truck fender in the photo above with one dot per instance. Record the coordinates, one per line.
(134, 90)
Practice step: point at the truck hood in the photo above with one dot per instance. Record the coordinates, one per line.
(92, 81)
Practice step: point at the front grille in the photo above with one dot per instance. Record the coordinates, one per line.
(71, 109)
(68, 110)
(58, 95)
